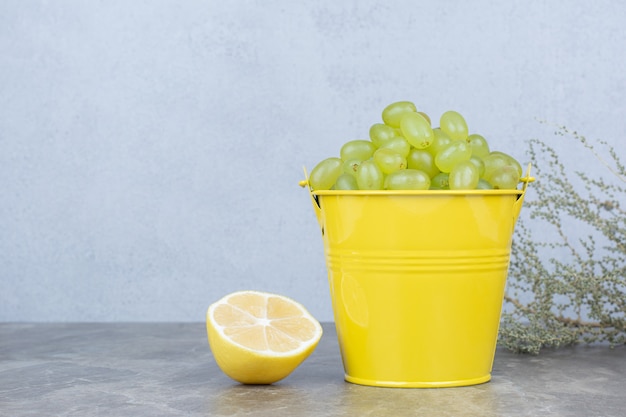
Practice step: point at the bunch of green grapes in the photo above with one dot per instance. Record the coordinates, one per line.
(405, 152)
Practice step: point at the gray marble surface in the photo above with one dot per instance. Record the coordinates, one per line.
(168, 370)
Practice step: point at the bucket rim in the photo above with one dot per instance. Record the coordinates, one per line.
(414, 192)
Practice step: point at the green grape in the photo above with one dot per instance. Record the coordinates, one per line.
(511, 161)
(455, 152)
(369, 176)
(440, 181)
(479, 164)
(389, 160)
(350, 166)
(492, 163)
(398, 144)
(440, 141)
(496, 160)
(464, 176)
(422, 160)
(417, 130)
(425, 116)
(407, 179)
(454, 125)
(393, 113)
(483, 184)
(380, 133)
(325, 174)
(504, 178)
(346, 182)
(479, 145)
(357, 149)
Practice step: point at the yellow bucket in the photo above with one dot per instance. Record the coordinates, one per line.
(417, 281)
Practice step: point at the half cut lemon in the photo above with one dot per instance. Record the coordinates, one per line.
(260, 338)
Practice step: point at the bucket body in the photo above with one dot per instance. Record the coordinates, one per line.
(417, 281)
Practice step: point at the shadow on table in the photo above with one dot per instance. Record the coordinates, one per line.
(345, 399)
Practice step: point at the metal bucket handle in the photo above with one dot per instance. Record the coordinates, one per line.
(527, 179)
(314, 200)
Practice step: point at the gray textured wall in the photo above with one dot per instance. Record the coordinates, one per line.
(150, 150)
